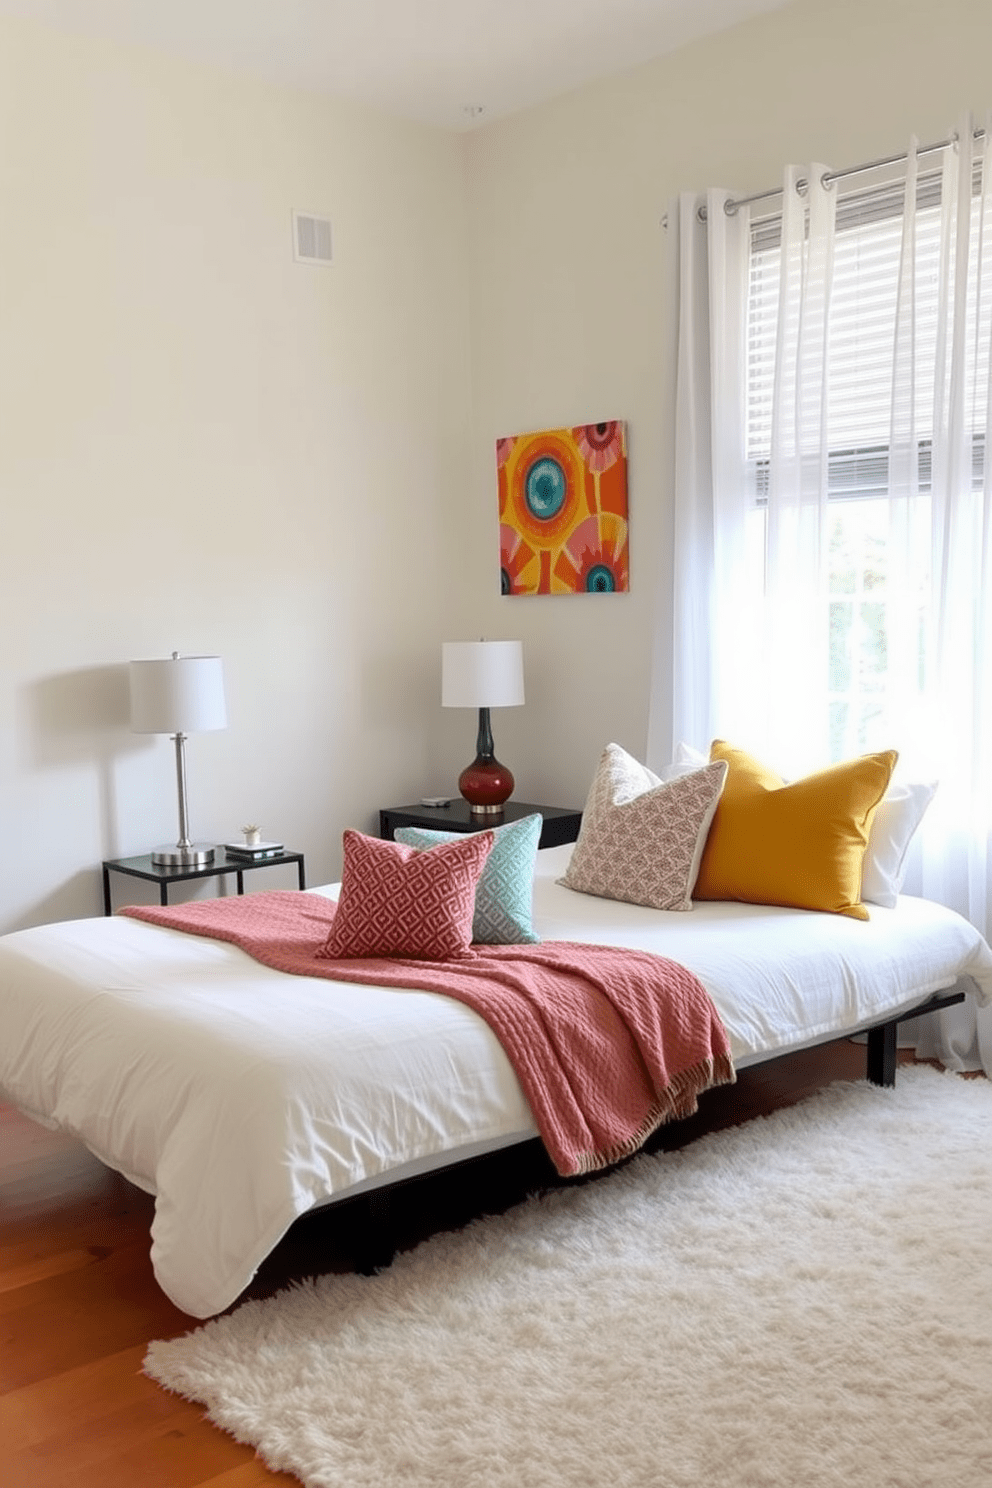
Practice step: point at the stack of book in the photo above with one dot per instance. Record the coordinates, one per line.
(250, 852)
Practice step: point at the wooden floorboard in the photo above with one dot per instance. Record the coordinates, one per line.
(79, 1302)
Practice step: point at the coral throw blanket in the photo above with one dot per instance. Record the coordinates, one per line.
(607, 1043)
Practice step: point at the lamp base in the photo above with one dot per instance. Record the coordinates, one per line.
(486, 785)
(193, 855)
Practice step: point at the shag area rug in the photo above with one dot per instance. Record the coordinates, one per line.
(802, 1301)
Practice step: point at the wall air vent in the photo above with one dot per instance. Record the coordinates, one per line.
(311, 238)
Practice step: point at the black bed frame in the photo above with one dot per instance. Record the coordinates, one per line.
(882, 1038)
(376, 1244)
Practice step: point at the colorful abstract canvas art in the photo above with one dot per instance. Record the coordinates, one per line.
(563, 510)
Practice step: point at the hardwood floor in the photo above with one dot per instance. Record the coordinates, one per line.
(79, 1303)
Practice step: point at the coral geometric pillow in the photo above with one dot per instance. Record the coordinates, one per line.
(504, 894)
(395, 901)
(800, 843)
(641, 839)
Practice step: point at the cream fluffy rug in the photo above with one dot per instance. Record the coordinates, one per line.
(802, 1301)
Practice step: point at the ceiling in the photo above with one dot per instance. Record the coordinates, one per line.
(455, 64)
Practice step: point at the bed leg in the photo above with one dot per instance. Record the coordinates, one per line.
(375, 1240)
(881, 1068)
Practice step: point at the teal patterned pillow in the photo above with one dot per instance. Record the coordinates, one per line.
(504, 893)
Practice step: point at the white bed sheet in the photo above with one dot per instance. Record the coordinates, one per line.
(241, 1097)
(782, 978)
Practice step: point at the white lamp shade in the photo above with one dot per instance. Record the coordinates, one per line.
(178, 695)
(482, 674)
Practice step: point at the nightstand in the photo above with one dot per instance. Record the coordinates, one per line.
(560, 824)
(221, 867)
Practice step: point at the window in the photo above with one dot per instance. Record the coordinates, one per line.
(870, 418)
(832, 503)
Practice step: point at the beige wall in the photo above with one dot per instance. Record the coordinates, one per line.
(571, 304)
(207, 447)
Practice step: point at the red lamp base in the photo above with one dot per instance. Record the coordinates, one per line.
(486, 785)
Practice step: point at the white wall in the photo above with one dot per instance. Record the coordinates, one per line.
(571, 303)
(205, 446)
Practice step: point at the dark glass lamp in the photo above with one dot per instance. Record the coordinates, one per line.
(483, 675)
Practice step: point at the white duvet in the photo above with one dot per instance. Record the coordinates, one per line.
(241, 1097)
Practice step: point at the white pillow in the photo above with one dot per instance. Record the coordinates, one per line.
(686, 760)
(899, 813)
(642, 839)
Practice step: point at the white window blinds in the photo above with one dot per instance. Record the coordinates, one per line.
(872, 257)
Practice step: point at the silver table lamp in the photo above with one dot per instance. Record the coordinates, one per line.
(179, 695)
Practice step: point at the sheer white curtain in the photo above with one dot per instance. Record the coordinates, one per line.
(832, 582)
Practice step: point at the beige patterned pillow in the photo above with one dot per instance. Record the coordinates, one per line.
(641, 839)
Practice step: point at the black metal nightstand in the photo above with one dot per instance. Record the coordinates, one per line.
(221, 867)
(560, 824)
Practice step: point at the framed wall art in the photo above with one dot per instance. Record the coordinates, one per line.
(563, 510)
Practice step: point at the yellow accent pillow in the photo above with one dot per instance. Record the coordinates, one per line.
(801, 844)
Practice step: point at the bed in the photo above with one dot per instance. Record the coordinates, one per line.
(242, 1098)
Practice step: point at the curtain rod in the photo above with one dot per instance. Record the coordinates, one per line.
(829, 177)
